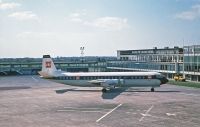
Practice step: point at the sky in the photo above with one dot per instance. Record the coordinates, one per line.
(31, 28)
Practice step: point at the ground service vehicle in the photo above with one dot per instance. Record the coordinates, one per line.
(179, 77)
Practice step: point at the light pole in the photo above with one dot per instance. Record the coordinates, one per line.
(82, 53)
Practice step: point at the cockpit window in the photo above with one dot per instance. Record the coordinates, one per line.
(159, 76)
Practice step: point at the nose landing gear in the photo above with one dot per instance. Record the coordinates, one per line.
(152, 89)
(104, 90)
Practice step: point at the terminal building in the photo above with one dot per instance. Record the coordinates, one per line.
(191, 68)
(168, 61)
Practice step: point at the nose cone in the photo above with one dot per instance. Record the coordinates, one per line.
(164, 80)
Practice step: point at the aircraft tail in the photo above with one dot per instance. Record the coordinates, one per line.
(48, 67)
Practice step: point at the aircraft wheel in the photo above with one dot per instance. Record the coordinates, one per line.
(104, 90)
(152, 90)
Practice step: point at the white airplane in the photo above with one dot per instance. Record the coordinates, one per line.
(106, 80)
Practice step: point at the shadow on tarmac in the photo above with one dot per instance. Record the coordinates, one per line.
(14, 88)
(74, 90)
(112, 93)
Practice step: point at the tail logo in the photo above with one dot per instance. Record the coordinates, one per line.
(48, 64)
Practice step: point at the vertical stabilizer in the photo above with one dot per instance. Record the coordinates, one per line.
(48, 67)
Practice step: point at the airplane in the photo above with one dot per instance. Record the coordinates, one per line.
(106, 80)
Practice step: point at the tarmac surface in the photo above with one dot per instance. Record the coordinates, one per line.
(29, 101)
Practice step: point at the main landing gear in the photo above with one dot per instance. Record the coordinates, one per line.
(104, 90)
(152, 89)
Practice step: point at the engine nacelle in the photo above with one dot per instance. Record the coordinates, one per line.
(107, 83)
(111, 83)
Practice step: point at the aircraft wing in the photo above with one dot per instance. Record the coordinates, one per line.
(97, 82)
(106, 83)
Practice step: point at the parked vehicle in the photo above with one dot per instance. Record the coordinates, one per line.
(179, 77)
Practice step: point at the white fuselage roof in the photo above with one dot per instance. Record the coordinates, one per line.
(111, 74)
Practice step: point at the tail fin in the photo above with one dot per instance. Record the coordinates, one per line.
(48, 67)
